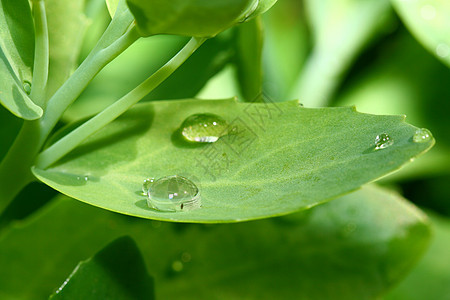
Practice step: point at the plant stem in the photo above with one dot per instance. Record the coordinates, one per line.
(15, 171)
(119, 35)
(73, 139)
(41, 54)
(15, 168)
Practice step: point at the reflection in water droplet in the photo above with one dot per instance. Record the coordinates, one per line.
(442, 50)
(204, 128)
(86, 178)
(383, 141)
(173, 193)
(146, 185)
(422, 135)
(428, 12)
(27, 87)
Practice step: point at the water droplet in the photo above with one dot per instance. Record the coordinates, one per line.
(422, 135)
(173, 193)
(383, 141)
(177, 266)
(442, 50)
(428, 12)
(27, 87)
(86, 178)
(204, 128)
(146, 185)
(186, 257)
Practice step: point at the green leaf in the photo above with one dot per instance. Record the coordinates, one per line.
(17, 37)
(199, 18)
(13, 96)
(117, 272)
(430, 279)
(279, 159)
(67, 24)
(352, 248)
(249, 44)
(429, 21)
(9, 128)
(16, 58)
(340, 29)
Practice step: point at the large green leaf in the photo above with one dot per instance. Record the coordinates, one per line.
(352, 248)
(66, 24)
(430, 279)
(429, 21)
(117, 272)
(280, 158)
(17, 37)
(200, 18)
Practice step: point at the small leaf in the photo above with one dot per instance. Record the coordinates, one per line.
(200, 18)
(13, 96)
(17, 37)
(429, 21)
(356, 247)
(117, 272)
(281, 158)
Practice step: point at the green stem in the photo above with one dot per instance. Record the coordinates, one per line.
(15, 171)
(73, 139)
(113, 42)
(41, 53)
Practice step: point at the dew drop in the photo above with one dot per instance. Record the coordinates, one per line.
(442, 50)
(383, 141)
(204, 128)
(146, 185)
(177, 266)
(173, 193)
(422, 135)
(27, 87)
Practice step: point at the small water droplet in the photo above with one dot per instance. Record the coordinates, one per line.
(177, 266)
(86, 178)
(383, 141)
(204, 128)
(146, 185)
(442, 50)
(186, 257)
(173, 193)
(428, 12)
(27, 87)
(422, 135)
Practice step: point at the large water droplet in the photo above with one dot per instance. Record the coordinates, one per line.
(27, 87)
(173, 193)
(422, 135)
(383, 141)
(204, 128)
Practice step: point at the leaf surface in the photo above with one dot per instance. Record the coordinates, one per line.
(117, 272)
(429, 22)
(366, 240)
(200, 18)
(12, 94)
(280, 158)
